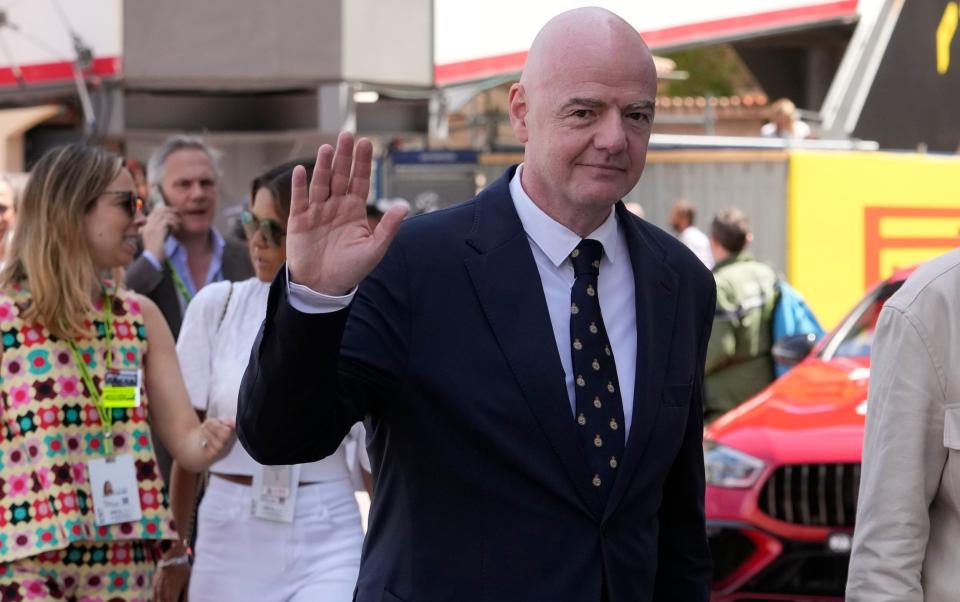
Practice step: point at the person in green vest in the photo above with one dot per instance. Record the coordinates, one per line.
(739, 364)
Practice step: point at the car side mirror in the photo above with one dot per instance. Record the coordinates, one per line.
(790, 351)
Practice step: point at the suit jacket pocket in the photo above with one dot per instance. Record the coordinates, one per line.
(951, 427)
(388, 597)
(677, 395)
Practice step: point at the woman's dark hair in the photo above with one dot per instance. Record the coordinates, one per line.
(278, 180)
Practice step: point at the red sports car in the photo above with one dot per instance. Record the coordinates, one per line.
(783, 469)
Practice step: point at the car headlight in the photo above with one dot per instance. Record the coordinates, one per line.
(727, 467)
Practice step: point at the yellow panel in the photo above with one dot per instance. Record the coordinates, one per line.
(920, 227)
(828, 197)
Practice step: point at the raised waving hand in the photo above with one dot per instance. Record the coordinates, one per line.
(330, 246)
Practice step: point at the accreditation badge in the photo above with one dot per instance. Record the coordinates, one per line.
(121, 388)
(275, 492)
(116, 497)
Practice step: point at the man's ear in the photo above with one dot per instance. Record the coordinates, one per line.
(517, 101)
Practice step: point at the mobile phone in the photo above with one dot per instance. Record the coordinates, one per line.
(155, 199)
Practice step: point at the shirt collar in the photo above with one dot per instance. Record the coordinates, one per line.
(554, 239)
(172, 246)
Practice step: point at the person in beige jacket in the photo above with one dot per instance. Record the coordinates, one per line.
(906, 544)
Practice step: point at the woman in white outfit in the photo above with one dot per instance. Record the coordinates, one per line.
(263, 533)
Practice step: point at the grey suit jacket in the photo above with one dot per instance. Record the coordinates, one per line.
(905, 546)
(158, 286)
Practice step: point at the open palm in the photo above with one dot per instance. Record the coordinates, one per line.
(330, 246)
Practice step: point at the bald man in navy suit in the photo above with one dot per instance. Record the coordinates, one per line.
(529, 363)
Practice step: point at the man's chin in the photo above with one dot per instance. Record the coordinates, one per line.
(194, 227)
(609, 185)
(602, 195)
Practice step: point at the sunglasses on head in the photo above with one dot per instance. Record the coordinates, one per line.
(131, 202)
(272, 231)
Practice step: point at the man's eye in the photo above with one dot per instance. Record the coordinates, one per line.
(581, 113)
(644, 117)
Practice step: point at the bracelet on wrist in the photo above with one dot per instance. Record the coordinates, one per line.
(175, 561)
(181, 545)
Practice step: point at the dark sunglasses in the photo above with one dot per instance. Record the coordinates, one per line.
(272, 231)
(132, 202)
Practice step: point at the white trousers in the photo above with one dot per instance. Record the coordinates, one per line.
(238, 557)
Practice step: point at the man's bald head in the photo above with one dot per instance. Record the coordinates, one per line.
(584, 111)
(590, 33)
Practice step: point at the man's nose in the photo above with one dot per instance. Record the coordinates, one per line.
(611, 134)
(198, 189)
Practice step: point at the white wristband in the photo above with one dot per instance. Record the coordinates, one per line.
(175, 561)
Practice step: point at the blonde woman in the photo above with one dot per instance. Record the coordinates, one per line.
(85, 364)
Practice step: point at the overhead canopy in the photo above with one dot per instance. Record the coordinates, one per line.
(476, 44)
(14, 123)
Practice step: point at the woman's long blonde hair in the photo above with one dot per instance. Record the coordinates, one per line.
(49, 252)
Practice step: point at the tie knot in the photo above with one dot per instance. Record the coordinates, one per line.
(586, 257)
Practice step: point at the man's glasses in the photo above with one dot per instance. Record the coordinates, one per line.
(131, 202)
(272, 231)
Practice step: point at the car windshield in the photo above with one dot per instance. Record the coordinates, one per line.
(856, 333)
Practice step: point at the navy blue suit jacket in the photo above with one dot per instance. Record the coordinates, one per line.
(482, 492)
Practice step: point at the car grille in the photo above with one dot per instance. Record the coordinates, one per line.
(801, 570)
(821, 495)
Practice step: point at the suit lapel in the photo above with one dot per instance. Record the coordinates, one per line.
(656, 288)
(508, 285)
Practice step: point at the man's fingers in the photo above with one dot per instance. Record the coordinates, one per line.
(388, 227)
(342, 161)
(320, 184)
(299, 195)
(164, 216)
(362, 166)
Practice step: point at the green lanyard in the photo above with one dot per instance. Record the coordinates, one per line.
(179, 284)
(106, 414)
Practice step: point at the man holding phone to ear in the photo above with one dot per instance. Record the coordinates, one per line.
(182, 250)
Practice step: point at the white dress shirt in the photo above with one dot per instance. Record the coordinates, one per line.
(177, 256)
(551, 244)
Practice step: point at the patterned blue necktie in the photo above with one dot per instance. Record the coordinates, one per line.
(599, 407)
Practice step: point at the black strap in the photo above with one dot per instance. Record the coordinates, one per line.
(226, 304)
